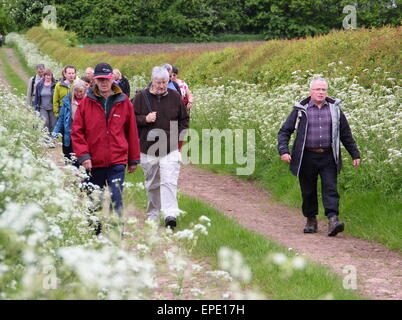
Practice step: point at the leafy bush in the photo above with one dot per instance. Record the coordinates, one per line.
(201, 19)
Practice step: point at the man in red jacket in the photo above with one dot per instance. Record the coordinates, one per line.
(105, 136)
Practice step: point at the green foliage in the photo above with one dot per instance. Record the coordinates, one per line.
(271, 63)
(5, 21)
(201, 19)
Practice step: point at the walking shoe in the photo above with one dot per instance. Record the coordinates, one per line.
(96, 226)
(335, 226)
(311, 225)
(170, 222)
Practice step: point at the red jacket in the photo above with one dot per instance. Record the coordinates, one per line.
(110, 142)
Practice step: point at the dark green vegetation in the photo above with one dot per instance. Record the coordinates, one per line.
(200, 19)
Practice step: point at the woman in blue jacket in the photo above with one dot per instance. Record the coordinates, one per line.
(70, 104)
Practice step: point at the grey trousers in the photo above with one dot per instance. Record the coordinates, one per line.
(161, 177)
(49, 118)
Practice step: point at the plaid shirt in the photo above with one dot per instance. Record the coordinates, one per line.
(319, 126)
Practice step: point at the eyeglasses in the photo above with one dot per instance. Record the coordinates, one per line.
(320, 89)
(158, 83)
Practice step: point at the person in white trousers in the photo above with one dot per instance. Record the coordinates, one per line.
(161, 118)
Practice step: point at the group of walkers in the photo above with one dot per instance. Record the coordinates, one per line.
(106, 132)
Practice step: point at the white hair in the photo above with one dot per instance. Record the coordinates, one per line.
(89, 69)
(317, 79)
(79, 84)
(159, 73)
(168, 67)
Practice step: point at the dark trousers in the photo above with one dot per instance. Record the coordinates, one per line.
(67, 151)
(114, 178)
(322, 164)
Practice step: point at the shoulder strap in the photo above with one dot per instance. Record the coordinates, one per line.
(32, 85)
(146, 99)
(176, 85)
(299, 115)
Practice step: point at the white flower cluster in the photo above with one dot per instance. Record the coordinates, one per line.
(47, 244)
(374, 115)
(288, 265)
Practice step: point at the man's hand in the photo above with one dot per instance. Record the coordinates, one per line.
(87, 164)
(356, 163)
(151, 117)
(132, 168)
(286, 157)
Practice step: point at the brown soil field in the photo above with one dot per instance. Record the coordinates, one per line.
(129, 49)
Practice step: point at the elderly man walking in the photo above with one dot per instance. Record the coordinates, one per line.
(320, 126)
(105, 136)
(33, 82)
(162, 118)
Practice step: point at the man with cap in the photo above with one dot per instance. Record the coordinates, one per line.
(33, 81)
(105, 136)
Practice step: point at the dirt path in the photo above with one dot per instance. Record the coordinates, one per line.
(14, 62)
(379, 270)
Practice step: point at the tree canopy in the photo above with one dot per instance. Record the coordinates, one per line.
(200, 19)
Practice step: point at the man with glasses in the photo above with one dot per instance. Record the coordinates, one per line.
(320, 126)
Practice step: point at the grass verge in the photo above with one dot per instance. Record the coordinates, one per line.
(21, 59)
(314, 282)
(370, 216)
(11, 76)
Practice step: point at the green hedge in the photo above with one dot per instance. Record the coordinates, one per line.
(201, 19)
(270, 63)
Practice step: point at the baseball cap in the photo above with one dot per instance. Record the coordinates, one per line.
(103, 70)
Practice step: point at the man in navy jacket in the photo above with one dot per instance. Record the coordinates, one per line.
(320, 126)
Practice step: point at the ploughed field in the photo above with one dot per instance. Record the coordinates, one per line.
(127, 49)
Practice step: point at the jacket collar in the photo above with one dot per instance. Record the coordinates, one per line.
(42, 81)
(303, 104)
(62, 83)
(94, 93)
(161, 95)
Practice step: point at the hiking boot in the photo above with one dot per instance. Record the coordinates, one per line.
(98, 228)
(311, 225)
(335, 226)
(170, 222)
